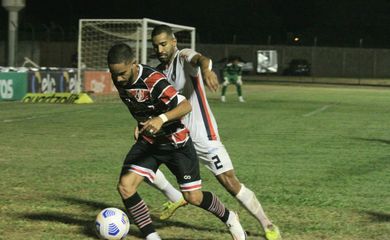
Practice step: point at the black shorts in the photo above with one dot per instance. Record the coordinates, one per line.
(145, 158)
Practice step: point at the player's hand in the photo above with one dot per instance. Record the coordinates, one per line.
(136, 133)
(152, 126)
(211, 80)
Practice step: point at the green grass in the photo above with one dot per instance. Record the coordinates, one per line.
(317, 157)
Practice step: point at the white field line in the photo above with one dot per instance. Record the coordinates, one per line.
(38, 116)
(318, 110)
(23, 119)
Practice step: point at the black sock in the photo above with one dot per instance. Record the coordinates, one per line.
(139, 212)
(212, 204)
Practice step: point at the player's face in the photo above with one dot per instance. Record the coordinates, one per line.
(123, 73)
(164, 46)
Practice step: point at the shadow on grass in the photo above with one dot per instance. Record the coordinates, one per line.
(378, 216)
(374, 140)
(89, 224)
(156, 221)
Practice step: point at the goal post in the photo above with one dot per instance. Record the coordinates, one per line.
(96, 36)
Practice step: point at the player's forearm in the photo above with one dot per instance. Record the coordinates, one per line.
(203, 62)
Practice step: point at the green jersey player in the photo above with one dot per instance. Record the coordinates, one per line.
(232, 73)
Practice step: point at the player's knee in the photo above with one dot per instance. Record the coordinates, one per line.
(193, 197)
(230, 182)
(125, 190)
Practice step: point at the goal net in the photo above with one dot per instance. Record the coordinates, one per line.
(96, 36)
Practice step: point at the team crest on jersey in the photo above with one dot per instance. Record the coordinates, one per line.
(141, 95)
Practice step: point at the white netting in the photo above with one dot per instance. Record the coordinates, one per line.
(96, 36)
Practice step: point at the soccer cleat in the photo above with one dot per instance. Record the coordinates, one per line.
(241, 99)
(235, 227)
(153, 236)
(272, 233)
(169, 208)
(223, 99)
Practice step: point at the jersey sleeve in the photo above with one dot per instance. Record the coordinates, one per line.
(187, 54)
(185, 57)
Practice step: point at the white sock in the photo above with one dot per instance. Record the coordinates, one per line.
(153, 236)
(162, 184)
(248, 199)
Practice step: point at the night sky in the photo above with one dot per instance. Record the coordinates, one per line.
(331, 22)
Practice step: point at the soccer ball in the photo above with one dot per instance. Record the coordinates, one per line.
(112, 224)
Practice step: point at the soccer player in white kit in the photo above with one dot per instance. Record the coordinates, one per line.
(186, 70)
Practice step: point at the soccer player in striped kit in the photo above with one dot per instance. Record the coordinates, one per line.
(186, 70)
(163, 139)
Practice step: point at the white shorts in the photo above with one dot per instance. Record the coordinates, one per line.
(213, 155)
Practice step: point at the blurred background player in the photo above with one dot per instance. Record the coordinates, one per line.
(158, 109)
(186, 70)
(232, 74)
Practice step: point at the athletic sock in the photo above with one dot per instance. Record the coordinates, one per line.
(212, 204)
(162, 184)
(248, 199)
(239, 90)
(140, 213)
(224, 88)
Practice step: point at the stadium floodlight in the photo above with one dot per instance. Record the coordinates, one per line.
(96, 36)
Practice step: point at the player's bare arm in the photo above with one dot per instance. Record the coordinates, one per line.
(209, 76)
(154, 125)
(136, 133)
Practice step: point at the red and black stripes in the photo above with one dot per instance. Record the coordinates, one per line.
(212, 204)
(139, 212)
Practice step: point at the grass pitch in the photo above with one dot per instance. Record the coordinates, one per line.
(317, 157)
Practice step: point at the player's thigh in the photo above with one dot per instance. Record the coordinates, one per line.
(213, 155)
(141, 160)
(184, 165)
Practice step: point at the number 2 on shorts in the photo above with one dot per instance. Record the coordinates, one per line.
(217, 162)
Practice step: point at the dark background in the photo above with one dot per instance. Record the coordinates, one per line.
(358, 23)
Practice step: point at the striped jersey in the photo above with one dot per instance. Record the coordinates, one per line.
(188, 80)
(149, 96)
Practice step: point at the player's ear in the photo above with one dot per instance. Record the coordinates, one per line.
(174, 42)
(131, 62)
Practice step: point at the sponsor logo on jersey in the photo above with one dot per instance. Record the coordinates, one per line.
(141, 95)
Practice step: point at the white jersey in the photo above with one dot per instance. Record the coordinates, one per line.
(188, 81)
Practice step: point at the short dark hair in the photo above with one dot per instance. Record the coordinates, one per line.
(157, 30)
(120, 53)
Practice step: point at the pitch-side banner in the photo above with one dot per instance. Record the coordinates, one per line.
(12, 85)
(53, 81)
(98, 82)
(57, 98)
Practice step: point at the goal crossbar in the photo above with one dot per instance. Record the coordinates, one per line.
(96, 35)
